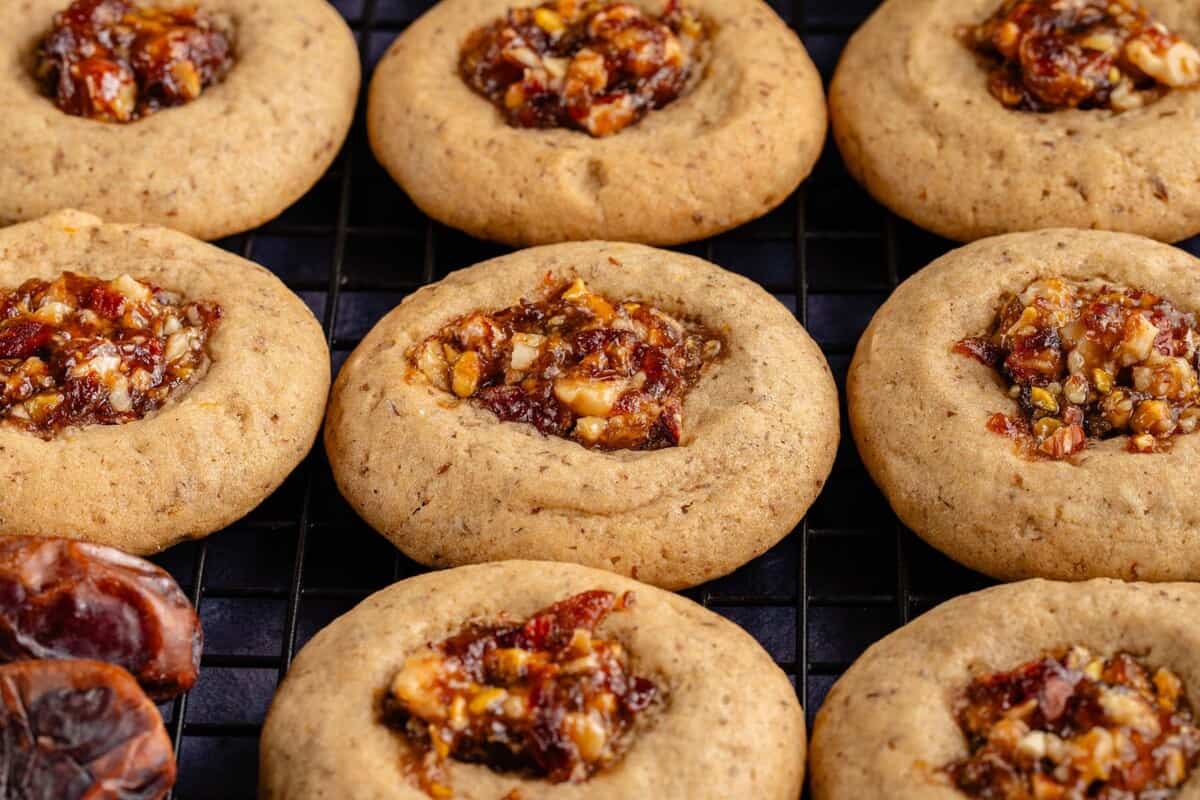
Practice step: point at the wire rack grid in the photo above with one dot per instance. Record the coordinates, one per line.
(355, 245)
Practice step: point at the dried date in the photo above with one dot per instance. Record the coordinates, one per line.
(21, 339)
(80, 730)
(62, 599)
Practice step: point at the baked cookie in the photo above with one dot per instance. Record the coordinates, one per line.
(1035, 689)
(1026, 403)
(537, 681)
(607, 404)
(978, 117)
(656, 121)
(152, 388)
(210, 118)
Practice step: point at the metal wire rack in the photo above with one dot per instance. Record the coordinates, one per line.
(355, 245)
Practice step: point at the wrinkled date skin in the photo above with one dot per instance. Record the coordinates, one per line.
(61, 599)
(80, 730)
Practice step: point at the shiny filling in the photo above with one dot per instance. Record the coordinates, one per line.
(546, 696)
(1075, 725)
(594, 66)
(1046, 55)
(79, 350)
(115, 61)
(1088, 361)
(573, 363)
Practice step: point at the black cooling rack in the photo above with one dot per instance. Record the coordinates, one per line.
(355, 245)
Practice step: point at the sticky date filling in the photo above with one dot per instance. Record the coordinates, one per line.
(593, 66)
(83, 351)
(118, 61)
(1076, 725)
(1047, 55)
(1089, 361)
(610, 375)
(546, 696)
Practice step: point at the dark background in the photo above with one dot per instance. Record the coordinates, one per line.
(355, 245)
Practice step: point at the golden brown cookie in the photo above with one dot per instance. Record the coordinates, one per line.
(236, 156)
(1040, 499)
(917, 126)
(891, 726)
(731, 148)
(732, 731)
(449, 483)
(220, 443)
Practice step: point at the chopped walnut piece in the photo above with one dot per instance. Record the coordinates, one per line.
(1089, 360)
(1073, 725)
(116, 61)
(82, 351)
(586, 64)
(1055, 54)
(610, 375)
(546, 696)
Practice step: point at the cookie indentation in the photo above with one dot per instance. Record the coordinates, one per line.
(1090, 360)
(573, 363)
(115, 61)
(1047, 55)
(1076, 725)
(83, 351)
(584, 64)
(546, 696)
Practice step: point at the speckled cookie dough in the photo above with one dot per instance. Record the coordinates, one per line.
(730, 727)
(888, 728)
(920, 415)
(450, 484)
(236, 156)
(917, 126)
(211, 453)
(730, 149)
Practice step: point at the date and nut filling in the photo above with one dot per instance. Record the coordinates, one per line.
(1092, 361)
(1047, 55)
(610, 375)
(546, 696)
(1075, 725)
(594, 66)
(116, 61)
(83, 351)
